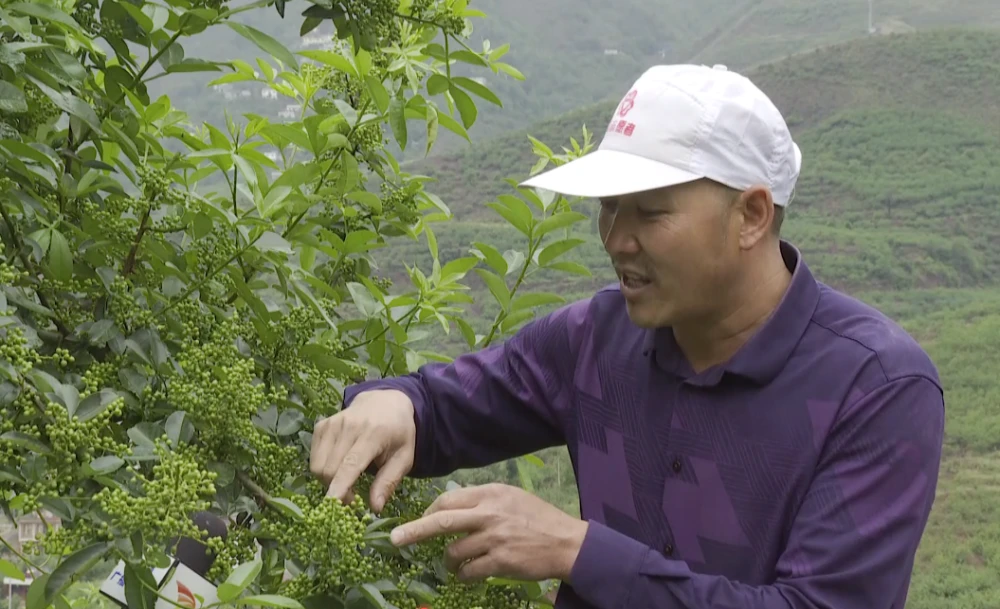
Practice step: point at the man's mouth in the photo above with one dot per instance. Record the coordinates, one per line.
(634, 281)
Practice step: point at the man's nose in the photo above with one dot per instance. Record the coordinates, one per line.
(618, 235)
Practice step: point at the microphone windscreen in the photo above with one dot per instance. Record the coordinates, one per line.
(193, 553)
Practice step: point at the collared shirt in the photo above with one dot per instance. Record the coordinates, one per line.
(799, 474)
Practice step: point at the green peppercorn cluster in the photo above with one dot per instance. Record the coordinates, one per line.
(76, 441)
(125, 309)
(14, 348)
(85, 13)
(41, 109)
(177, 487)
(401, 201)
(238, 547)
(330, 537)
(218, 389)
(9, 275)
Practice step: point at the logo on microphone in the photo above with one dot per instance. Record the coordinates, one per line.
(185, 597)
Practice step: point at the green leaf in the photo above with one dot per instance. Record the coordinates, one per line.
(432, 128)
(457, 268)
(557, 221)
(19, 438)
(534, 460)
(9, 569)
(363, 299)
(368, 199)
(497, 287)
(12, 98)
(102, 466)
(265, 43)
(73, 565)
(60, 259)
(179, 429)
(397, 121)
(44, 12)
(437, 84)
(70, 104)
(466, 107)
(537, 299)
(515, 211)
(239, 580)
(553, 250)
(138, 596)
(493, 257)
(570, 267)
(287, 507)
(270, 600)
(274, 200)
(95, 403)
(374, 596)
(36, 594)
(378, 92)
(332, 59)
(477, 89)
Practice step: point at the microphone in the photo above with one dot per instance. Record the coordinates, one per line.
(183, 580)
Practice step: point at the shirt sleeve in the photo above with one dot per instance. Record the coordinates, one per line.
(503, 401)
(851, 545)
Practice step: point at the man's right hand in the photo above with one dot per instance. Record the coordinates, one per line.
(378, 428)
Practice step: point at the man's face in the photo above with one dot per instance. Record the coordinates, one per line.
(675, 251)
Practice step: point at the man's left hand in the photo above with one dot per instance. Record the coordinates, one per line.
(508, 533)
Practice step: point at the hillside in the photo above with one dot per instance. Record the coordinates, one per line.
(573, 52)
(901, 177)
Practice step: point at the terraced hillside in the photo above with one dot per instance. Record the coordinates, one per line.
(900, 187)
(573, 52)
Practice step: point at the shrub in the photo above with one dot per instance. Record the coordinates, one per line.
(178, 309)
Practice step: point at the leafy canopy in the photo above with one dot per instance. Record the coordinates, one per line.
(178, 308)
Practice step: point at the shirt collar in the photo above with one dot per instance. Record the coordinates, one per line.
(765, 354)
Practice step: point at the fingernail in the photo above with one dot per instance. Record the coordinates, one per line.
(397, 535)
(379, 502)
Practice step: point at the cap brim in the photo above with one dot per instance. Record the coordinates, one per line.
(609, 173)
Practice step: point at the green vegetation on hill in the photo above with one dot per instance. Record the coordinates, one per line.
(575, 52)
(950, 71)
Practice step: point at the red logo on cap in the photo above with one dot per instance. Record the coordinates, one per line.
(627, 103)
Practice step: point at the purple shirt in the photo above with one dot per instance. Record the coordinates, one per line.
(799, 474)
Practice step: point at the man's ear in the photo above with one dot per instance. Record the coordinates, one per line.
(757, 208)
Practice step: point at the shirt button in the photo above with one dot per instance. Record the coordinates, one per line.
(668, 549)
(677, 465)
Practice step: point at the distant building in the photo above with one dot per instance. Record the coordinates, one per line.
(27, 528)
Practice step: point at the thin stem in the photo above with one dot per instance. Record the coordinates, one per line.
(501, 316)
(22, 556)
(138, 77)
(388, 364)
(383, 331)
(129, 264)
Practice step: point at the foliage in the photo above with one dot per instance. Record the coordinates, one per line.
(166, 347)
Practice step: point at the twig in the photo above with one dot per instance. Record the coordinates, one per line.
(21, 556)
(129, 264)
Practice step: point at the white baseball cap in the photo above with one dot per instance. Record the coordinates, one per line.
(680, 123)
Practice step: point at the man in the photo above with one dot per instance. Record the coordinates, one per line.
(742, 435)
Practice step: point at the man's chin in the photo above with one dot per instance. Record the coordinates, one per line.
(646, 315)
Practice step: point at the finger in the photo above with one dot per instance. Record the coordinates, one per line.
(459, 499)
(388, 478)
(321, 445)
(465, 549)
(350, 468)
(337, 446)
(477, 569)
(435, 525)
